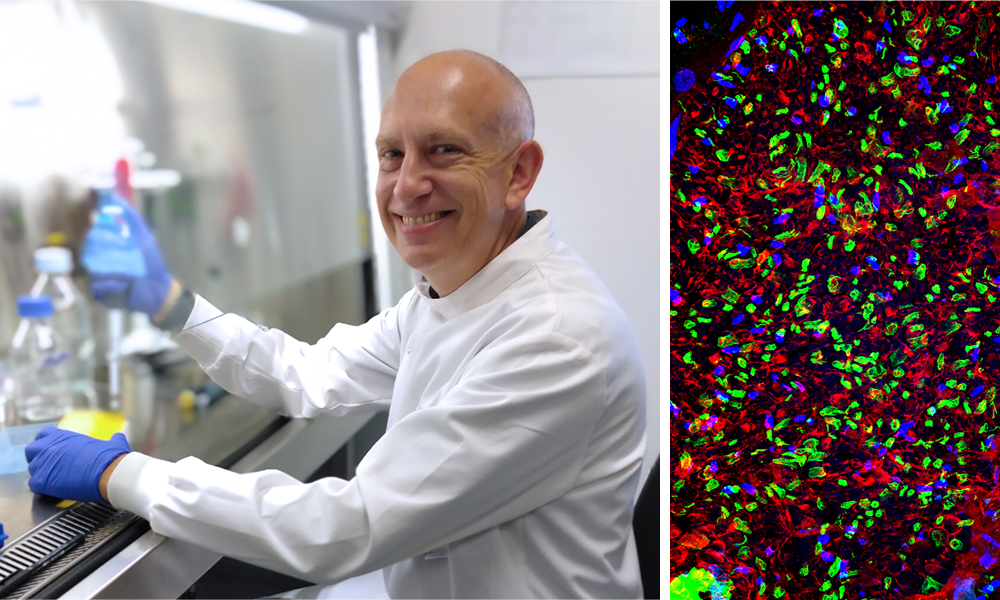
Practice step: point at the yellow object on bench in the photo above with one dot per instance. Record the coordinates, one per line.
(101, 424)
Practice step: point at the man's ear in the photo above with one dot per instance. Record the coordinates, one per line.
(527, 163)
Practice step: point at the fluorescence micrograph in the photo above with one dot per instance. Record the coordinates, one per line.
(835, 311)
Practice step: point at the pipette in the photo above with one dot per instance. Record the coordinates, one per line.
(116, 319)
(110, 249)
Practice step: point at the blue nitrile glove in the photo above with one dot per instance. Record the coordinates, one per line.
(142, 292)
(69, 465)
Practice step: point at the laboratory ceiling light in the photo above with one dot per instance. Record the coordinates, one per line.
(241, 11)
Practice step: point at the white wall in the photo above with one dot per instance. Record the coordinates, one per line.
(601, 176)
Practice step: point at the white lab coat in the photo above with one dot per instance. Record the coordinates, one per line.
(515, 438)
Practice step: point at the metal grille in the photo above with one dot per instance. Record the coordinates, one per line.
(58, 541)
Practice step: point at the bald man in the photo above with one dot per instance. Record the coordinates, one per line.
(513, 382)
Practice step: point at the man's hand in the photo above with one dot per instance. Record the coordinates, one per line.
(147, 294)
(69, 465)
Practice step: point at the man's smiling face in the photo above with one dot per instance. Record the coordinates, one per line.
(444, 174)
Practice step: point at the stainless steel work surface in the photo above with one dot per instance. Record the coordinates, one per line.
(157, 426)
(230, 432)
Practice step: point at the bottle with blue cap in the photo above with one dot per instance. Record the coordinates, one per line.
(39, 362)
(71, 317)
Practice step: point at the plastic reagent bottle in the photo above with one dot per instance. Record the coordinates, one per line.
(111, 249)
(71, 316)
(39, 362)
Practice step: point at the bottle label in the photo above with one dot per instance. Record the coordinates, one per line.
(54, 360)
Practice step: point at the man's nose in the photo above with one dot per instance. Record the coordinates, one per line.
(413, 181)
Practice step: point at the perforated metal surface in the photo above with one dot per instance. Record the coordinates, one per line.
(46, 551)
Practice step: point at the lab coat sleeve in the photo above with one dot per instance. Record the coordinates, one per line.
(510, 437)
(350, 370)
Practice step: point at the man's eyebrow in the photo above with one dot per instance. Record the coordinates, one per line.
(446, 136)
(434, 137)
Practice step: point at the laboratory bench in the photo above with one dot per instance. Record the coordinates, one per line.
(60, 549)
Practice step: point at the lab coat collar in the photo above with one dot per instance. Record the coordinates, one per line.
(509, 266)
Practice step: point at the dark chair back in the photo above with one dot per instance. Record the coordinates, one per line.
(646, 525)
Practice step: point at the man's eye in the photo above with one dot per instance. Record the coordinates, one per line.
(446, 149)
(391, 154)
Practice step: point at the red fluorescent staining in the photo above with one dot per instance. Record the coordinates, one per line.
(834, 302)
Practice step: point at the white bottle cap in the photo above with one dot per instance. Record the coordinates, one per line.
(53, 260)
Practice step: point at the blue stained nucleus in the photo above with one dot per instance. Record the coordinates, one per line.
(772, 67)
(673, 135)
(852, 111)
(886, 138)
(820, 193)
(737, 319)
(731, 102)
(736, 44)
(684, 80)
(748, 488)
(768, 421)
(879, 46)
(887, 26)
(742, 249)
(782, 218)
(777, 259)
(776, 244)
(736, 21)
(693, 168)
(681, 21)
(742, 70)
(679, 36)
(875, 201)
